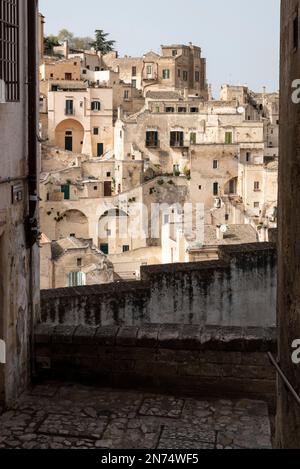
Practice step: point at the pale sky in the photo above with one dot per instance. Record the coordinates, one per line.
(239, 38)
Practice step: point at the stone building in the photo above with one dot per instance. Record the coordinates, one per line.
(178, 67)
(19, 255)
(177, 247)
(221, 147)
(71, 262)
(81, 120)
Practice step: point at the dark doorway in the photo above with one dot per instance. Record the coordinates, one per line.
(107, 189)
(69, 141)
(100, 149)
(66, 191)
(104, 248)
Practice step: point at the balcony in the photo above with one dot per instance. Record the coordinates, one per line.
(69, 112)
(176, 144)
(152, 144)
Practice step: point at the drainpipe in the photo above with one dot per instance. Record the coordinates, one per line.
(32, 229)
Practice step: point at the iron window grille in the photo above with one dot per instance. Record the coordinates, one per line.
(9, 49)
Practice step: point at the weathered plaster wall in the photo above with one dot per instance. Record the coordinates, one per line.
(238, 290)
(288, 427)
(19, 273)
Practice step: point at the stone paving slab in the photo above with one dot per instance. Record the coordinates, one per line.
(68, 416)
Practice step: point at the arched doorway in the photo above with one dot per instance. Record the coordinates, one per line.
(72, 223)
(69, 135)
(113, 236)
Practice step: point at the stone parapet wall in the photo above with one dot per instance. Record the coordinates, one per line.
(187, 360)
(237, 290)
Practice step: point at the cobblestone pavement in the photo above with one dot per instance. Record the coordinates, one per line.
(74, 416)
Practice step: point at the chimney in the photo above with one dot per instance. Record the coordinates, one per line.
(120, 112)
(66, 49)
(219, 233)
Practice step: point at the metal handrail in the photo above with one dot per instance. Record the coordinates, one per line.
(284, 378)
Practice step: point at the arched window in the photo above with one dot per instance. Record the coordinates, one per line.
(96, 106)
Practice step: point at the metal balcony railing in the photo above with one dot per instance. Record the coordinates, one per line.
(152, 143)
(69, 112)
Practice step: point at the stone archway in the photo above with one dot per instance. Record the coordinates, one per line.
(113, 237)
(69, 135)
(72, 223)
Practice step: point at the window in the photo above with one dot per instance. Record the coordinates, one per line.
(149, 70)
(174, 52)
(84, 71)
(193, 138)
(96, 106)
(179, 73)
(134, 71)
(95, 188)
(226, 217)
(166, 219)
(133, 83)
(166, 74)
(216, 188)
(97, 69)
(185, 75)
(68, 76)
(108, 175)
(256, 186)
(215, 164)
(69, 111)
(104, 248)
(248, 157)
(121, 134)
(200, 188)
(296, 32)
(176, 139)
(96, 130)
(228, 138)
(182, 109)
(170, 109)
(256, 204)
(176, 170)
(9, 48)
(76, 279)
(126, 94)
(194, 110)
(79, 262)
(197, 76)
(126, 248)
(151, 139)
(51, 75)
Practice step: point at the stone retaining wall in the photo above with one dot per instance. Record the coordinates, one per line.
(188, 360)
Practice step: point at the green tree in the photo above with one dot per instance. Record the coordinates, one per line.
(65, 35)
(101, 43)
(81, 43)
(50, 42)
